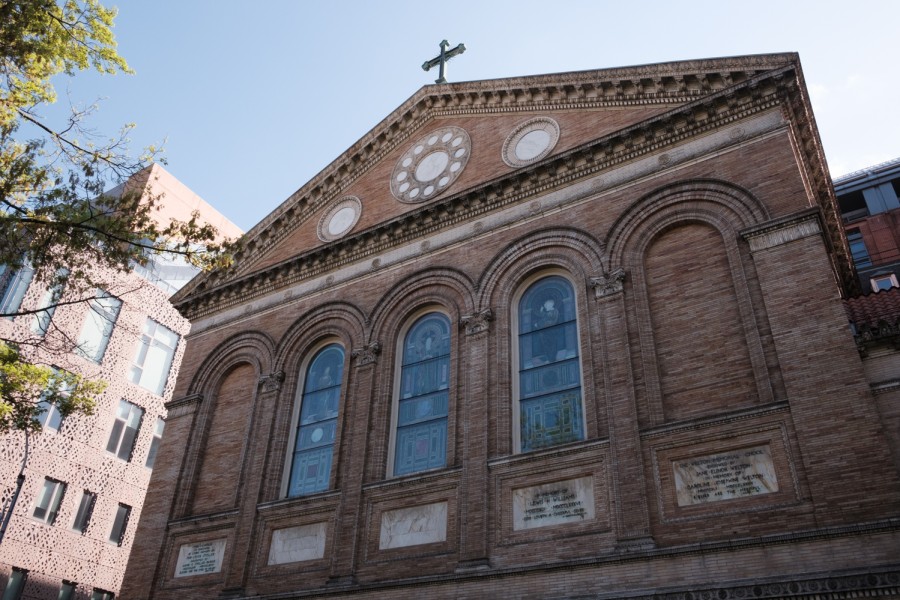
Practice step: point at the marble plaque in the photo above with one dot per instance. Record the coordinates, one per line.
(296, 544)
(413, 526)
(200, 558)
(736, 474)
(557, 503)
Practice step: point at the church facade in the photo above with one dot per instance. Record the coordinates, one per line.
(572, 335)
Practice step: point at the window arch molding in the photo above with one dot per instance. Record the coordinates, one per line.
(338, 322)
(323, 421)
(435, 365)
(548, 347)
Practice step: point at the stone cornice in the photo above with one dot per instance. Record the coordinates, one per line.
(783, 230)
(658, 84)
(704, 115)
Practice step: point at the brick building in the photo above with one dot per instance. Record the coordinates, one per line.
(571, 335)
(70, 524)
(869, 205)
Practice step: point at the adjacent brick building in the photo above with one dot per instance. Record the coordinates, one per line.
(869, 205)
(571, 335)
(71, 523)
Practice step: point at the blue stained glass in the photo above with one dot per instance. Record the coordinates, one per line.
(421, 441)
(317, 426)
(549, 367)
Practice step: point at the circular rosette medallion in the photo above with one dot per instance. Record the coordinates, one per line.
(530, 142)
(431, 165)
(339, 219)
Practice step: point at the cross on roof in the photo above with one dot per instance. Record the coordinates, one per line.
(442, 59)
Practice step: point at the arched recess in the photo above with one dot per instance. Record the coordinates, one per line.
(228, 383)
(577, 256)
(336, 322)
(694, 299)
(443, 290)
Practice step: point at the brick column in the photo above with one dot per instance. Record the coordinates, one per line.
(348, 521)
(238, 557)
(474, 503)
(630, 510)
(843, 448)
(144, 566)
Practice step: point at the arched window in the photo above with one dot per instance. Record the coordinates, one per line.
(549, 385)
(421, 438)
(317, 422)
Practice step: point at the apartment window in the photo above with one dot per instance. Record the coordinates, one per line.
(154, 357)
(51, 419)
(47, 306)
(15, 284)
(884, 282)
(154, 444)
(317, 422)
(98, 326)
(85, 510)
(99, 594)
(120, 524)
(15, 585)
(48, 501)
(549, 382)
(858, 249)
(423, 396)
(66, 591)
(124, 430)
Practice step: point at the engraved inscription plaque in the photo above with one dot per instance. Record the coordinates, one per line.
(725, 476)
(555, 503)
(200, 558)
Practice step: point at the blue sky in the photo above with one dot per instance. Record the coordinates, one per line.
(252, 99)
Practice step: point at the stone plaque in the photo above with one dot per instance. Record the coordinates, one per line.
(736, 474)
(296, 544)
(558, 503)
(413, 526)
(200, 558)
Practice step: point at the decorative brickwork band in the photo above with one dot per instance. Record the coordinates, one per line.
(367, 354)
(783, 230)
(477, 322)
(608, 284)
(183, 406)
(272, 382)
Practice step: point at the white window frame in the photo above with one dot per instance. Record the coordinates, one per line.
(397, 380)
(127, 420)
(48, 500)
(151, 344)
(84, 512)
(15, 286)
(47, 306)
(514, 355)
(99, 323)
(120, 524)
(887, 277)
(153, 452)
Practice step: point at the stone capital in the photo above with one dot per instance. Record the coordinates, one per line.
(272, 382)
(367, 354)
(477, 321)
(609, 283)
(183, 406)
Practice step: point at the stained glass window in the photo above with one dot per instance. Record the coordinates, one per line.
(549, 368)
(317, 425)
(421, 442)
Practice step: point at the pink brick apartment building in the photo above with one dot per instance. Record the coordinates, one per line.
(71, 525)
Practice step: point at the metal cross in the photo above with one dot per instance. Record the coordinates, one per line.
(442, 59)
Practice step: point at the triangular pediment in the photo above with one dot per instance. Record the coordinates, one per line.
(450, 139)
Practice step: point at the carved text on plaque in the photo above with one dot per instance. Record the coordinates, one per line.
(200, 558)
(736, 474)
(556, 503)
